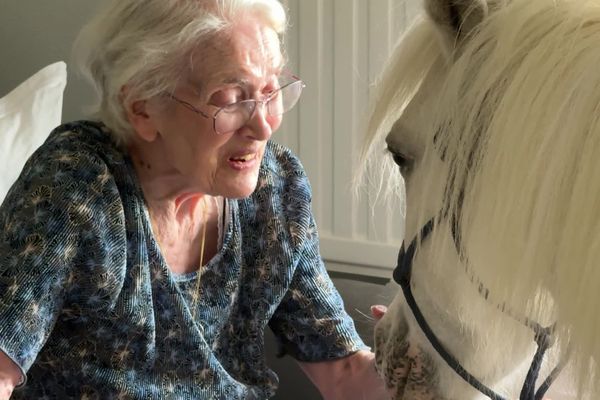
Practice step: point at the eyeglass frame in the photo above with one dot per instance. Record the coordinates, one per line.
(255, 101)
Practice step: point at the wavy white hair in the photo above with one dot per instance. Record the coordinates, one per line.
(146, 45)
(517, 121)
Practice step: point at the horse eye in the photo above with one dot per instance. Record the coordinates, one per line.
(403, 161)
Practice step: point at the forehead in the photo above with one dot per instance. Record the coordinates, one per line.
(246, 52)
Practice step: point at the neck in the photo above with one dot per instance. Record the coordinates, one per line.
(159, 178)
(167, 191)
(182, 216)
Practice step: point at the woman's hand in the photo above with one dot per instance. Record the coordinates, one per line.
(350, 378)
(10, 376)
(6, 388)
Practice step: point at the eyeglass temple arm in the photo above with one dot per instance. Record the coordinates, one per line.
(188, 106)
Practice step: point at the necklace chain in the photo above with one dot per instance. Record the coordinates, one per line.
(198, 289)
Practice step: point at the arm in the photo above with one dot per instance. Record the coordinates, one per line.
(310, 322)
(10, 376)
(349, 378)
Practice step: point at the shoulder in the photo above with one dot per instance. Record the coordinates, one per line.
(66, 200)
(279, 158)
(78, 154)
(90, 141)
(282, 170)
(69, 175)
(280, 206)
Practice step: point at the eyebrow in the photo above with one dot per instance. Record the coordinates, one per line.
(200, 86)
(237, 81)
(245, 82)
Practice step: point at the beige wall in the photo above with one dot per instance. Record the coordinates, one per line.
(35, 33)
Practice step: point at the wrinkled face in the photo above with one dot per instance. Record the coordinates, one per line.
(243, 63)
(406, 368)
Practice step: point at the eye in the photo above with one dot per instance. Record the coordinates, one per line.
(405, 162)
(227, 96)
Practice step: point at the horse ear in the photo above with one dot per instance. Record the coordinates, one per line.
(456, 18)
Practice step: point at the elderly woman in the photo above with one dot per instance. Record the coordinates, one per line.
(142, 255)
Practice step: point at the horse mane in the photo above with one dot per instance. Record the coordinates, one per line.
(414, 55)
(518, 123)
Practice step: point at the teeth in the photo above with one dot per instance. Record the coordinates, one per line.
(246, 157)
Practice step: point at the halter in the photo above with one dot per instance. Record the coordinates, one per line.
(543, 336)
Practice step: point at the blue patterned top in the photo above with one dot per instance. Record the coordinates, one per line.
(89, 308)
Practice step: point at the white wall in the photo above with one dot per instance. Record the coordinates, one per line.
(336, 46)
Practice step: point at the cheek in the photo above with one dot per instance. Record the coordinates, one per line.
(186, 133)
(198, 152)
(274, 122)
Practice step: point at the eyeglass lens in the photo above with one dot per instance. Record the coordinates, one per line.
(234, 116)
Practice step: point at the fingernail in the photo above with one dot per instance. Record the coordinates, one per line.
(378, 308)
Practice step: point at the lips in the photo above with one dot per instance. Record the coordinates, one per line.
(243, 157)
(244, 160)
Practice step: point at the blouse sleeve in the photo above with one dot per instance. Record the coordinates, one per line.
(311, 323)
(50, 217)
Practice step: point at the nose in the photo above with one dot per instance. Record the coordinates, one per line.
(259, 126)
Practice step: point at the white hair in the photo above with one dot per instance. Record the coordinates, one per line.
(518, 123)
(145, 45)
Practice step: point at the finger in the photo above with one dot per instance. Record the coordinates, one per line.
(378, 311)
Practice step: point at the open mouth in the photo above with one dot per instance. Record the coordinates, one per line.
(244, 158)
(243, 162)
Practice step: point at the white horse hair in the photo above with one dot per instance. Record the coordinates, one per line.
(493, 112)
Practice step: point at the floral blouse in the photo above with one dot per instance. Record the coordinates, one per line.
(89, 309)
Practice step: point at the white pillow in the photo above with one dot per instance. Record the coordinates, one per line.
(27, 115)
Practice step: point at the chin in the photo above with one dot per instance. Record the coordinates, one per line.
(240, 190)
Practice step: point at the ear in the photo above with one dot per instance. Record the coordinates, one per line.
(456, 18)
(139, 117)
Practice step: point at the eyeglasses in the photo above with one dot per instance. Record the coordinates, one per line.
(233, 116)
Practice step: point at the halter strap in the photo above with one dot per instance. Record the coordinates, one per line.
(543, 336)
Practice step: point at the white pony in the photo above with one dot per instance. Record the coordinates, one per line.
(493, 114)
